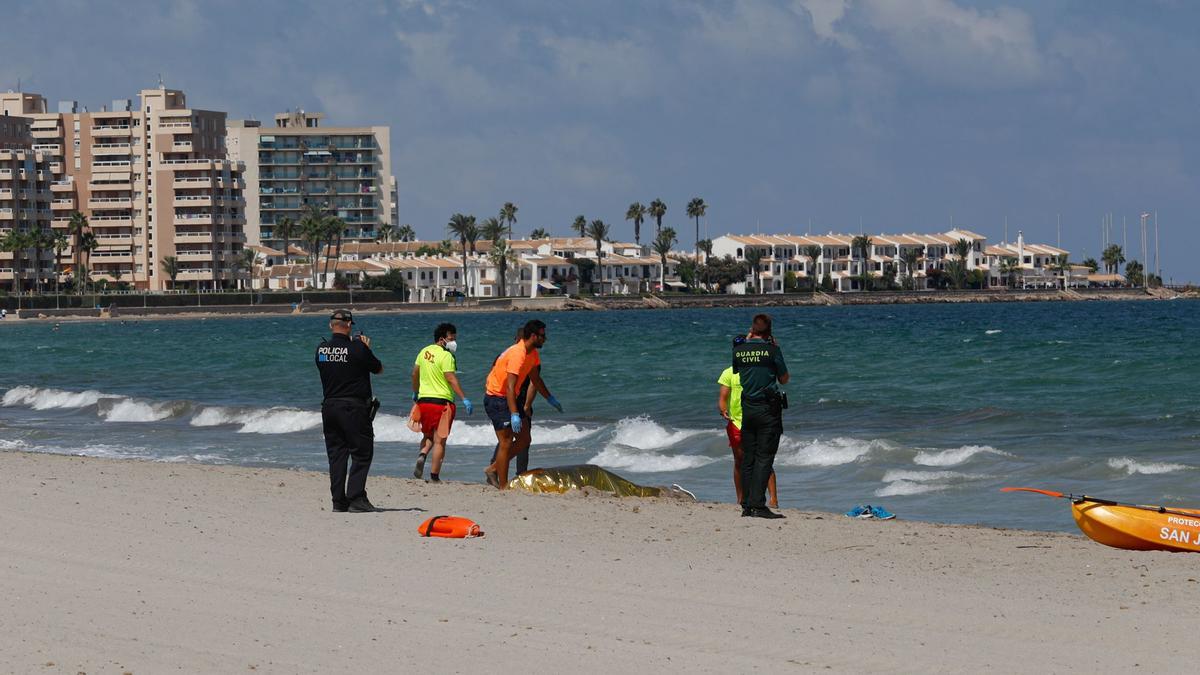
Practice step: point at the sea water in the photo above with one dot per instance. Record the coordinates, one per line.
(925, 409)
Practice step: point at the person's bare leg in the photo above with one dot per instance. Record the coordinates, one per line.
(438, 451)
(419, 472)
(505, 439)
(737, 472)
(522, 443)
(774, 493)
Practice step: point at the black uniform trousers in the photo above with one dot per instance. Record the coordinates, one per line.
(762, 425)
(348, 436)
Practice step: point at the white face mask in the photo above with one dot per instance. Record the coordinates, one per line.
(451, 346)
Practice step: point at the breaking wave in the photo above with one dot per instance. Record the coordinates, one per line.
(953, 456)
(277, 420)
(1132, 467)
(130, 410)
(830, 452)
(647, 461)
(901, 482)
(40, 398)
(644, 433)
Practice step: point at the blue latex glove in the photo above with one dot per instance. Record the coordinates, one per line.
(467, 404)
(515, 421)
(554, 403)
(414, 397)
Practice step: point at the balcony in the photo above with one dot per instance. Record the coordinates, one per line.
(197, 255)
(195, 236)
(111, 149)
(114, 239)
(46, 132)
(100, 256)
(7, 214)
(180, 127)
(189, 182)
(119, 186)
(110, 203)
(56, 167)
(110, 221)
(194, 200)
(181, 146)
(196, 218)
(109, 130)
(188, 163)
(111, 167)
(49, 148)
(62, 205)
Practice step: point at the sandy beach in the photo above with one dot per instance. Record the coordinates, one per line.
(130, 566)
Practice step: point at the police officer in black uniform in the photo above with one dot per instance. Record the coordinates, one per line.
(758, 361)
(346, 365)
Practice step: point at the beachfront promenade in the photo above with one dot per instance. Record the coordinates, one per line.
(224, 569)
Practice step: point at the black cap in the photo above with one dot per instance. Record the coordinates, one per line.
(342, 315)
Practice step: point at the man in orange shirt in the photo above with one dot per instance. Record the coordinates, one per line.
(501, 393)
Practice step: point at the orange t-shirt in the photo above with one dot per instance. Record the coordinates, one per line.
(513, 361)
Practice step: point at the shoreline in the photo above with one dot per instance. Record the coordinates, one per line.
(606, 303)
(146, 566)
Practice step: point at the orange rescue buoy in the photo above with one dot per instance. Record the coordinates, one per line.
(452, 527)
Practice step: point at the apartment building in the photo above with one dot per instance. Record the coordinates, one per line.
(25, 201)
(297, 163)
(152, 181)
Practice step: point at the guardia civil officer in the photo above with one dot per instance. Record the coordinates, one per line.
(758, 363)
(346, 365)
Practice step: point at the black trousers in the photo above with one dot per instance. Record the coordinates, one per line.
(762, 425)
(348, 436)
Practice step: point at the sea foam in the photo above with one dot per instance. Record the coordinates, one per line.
(40, 398)
(1132, 467)
(278, 420)
(129, 410)
(635, 461)
(644, 433)
(827, 452)
(954, 456)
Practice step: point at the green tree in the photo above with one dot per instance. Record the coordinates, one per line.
(15, 242)
(387, 232)
(76, 227)
(637, 213)
(910, 257)
(508, 215)
(464, 228)
(244, 262)
(598, 231)
(405, 233)
(1063, 266)
(862, 244)
(170, 267)
(492, 229)
(753, 257)
(41, 240)
(60, 244)
(657, 210)
(962, 249)
(87, 244)
(1135, 273)
(580, 225)
(812, 252)
(1009, 268)
(539, 233)
(501, 255)
(663, 242)
(1091, 264)
(285, 230)
(334, 228)
(696, 208)
(313, 230)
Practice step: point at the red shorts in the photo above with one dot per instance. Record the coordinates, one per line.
(735, 435)
(431, 417)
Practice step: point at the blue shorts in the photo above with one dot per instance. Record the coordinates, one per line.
(496, 408)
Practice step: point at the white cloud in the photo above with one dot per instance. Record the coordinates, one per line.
(825, 15)
(753, 28)
(960, 46)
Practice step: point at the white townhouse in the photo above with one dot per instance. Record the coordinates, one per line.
(1032, 266)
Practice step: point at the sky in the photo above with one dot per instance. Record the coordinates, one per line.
(785, 116)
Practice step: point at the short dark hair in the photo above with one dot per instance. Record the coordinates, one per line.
(520, 334)
(533, 327)
(761, 325)
(442, 330)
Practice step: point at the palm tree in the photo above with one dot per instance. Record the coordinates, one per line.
(657, 210)
(285, 229)
(312, 231)
(909, 257)
(696, 209)
(962, 249)
(1113, 257)
(41, 240)
(753, 257)
(77, 226)
(539, 233)
(862, 244)
(87, 244)
(662, 246)
(14, 242)
(406, 233)
(60, 244)
(508, 214)
(501, 255)
(170, 267)
(812, 252)
(1134, 273)
(386, 232)
(492, 230)
(1063, 267)
(1091, 264)
(1009, 266)
(580, 225)
(598, 231)
(637, 213)
(464, 228)
(334, 229)
(244, 262)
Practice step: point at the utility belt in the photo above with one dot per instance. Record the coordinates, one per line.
(771, 397)
(372, 404)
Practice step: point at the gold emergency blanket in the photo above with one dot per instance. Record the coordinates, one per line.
(560, 479)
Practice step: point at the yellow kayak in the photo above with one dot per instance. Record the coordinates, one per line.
(1136, 527)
